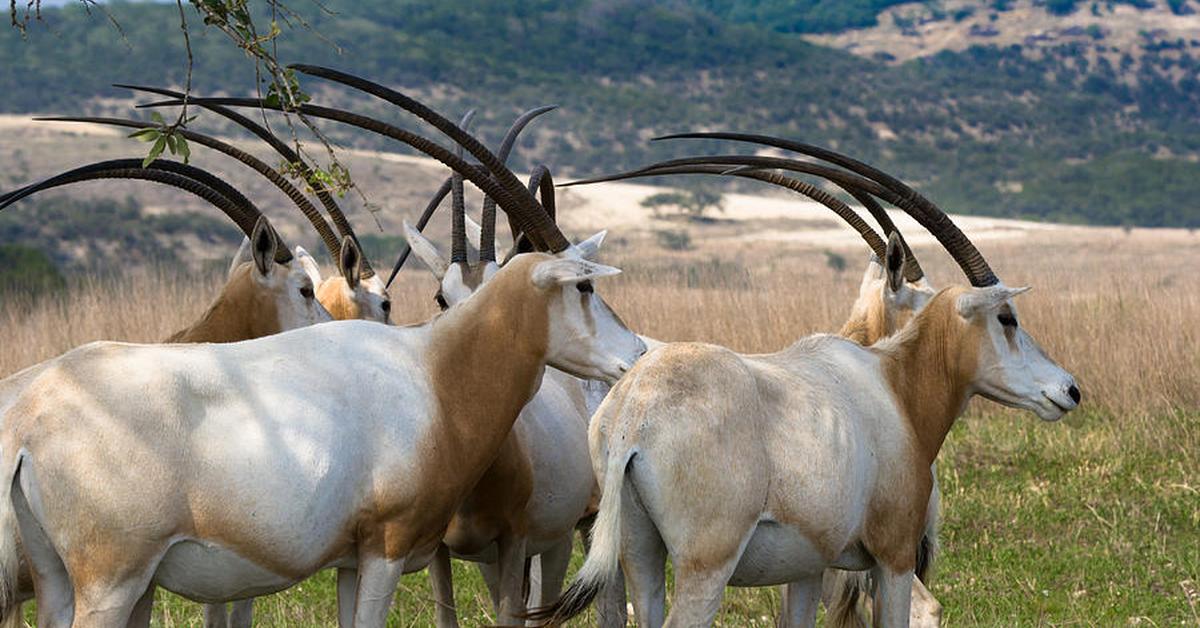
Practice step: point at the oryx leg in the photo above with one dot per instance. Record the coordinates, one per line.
(108, 602)
(550, 569)
(699, 589)
(241, 615)
(491, 578)
(893, 596)
(216, 616)
(142, 610)
(347, 587)
(611, 611)
(643, 562)
(800, 602)
(377, 580)
(442, 580)
(55, 596)
(512, 578)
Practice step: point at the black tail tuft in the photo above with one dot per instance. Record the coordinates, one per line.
(925, 551)
(572, 602)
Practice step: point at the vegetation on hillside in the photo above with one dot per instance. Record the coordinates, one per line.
(1061, 135)
(99, 234)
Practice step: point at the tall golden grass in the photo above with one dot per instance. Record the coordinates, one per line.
(1121, 311)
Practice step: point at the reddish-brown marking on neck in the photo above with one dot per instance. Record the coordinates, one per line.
(242, 311)
(929, 371)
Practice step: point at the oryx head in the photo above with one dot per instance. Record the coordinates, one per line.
(1012, 369)
(887, 299)
(355, 293)
(272, 295)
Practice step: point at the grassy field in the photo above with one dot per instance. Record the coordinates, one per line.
(1091, 521)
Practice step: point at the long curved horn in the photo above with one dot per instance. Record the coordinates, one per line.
(458, 205)
(190, 179)
(332, 244)
(922, 209)
(518, 203)
(487, 248)
(291, 156)
(912, 268)
(845, 212)
(487, 236)
(553, 240)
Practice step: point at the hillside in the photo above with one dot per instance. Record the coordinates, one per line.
(1047, 119)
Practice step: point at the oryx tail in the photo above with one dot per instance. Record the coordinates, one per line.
(602, 567)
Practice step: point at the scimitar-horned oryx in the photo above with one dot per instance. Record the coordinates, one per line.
(344, 444)
(768, 469)
(893, 288)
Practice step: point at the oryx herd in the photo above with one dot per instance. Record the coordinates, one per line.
(293, 429)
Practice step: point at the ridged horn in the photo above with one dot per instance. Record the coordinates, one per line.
(487, 220)
(520, 204)
(458, 205)
(845, 212)
(190, 179)
(549, 239)
(291, 156)
(922, 209)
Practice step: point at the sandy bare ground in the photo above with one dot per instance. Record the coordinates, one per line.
(401, 184)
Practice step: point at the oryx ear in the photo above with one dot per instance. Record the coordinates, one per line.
(979, 300)
(591, 246)
(241, 257)
(425, 251)
(893, 263)
(556, 272)
(309, 264)
(350, 262)
(263, 242)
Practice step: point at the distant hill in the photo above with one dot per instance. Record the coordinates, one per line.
(1058, 121)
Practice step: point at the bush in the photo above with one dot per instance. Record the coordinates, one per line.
(674, 239)
(28, 270)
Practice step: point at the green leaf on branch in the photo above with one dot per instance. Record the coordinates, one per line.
(155, 150)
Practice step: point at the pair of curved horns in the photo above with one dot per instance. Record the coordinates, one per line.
(517, 203)
(924, 211)
(332, 244)
(487, 245)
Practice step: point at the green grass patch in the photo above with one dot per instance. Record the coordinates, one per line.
(1092, 521)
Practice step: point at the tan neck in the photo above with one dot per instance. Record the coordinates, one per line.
(930, 366)
(240, 312)
(868, 322)
(336, 297)
(486, 361)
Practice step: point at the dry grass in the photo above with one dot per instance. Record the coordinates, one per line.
(1094, 520)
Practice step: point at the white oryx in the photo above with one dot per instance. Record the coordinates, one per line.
(893, 289)
(267, 290)
(769, 469)
(541, 482)
(226, 471)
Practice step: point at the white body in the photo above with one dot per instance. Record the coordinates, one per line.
(223, 471)
(761, 470)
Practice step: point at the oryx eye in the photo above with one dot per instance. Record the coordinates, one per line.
(387, 307)
(441, 301)
(585, 287)
(306, 292)
(1008, 320)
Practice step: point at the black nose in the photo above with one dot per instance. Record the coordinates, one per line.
(1074, 392)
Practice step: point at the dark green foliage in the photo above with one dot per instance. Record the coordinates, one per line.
(622, 68)
(800, 16)
(674, 239)
(28, 270)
